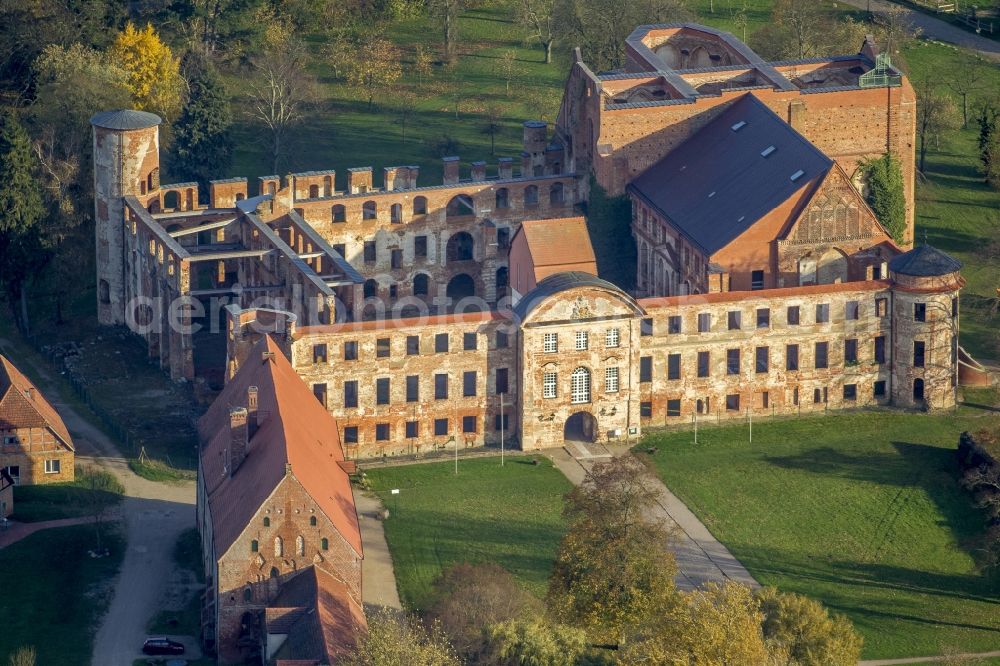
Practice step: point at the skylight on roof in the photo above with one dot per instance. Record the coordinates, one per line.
(798, 174)
(767, 151)
(740, 125)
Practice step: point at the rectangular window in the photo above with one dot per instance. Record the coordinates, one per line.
(918, 354)
(501, 422)
(879, 389)
(370, 252)
(319, 390)
(850, 391)
(611, 380)
(762, 360)
(704, 322)
(503, 238)
(919, 312)
(350, 434)
(501, 381)
(412, 345)
(501, 340)
(851, 310)
(319, 353)
(469, 384)
(795, 397)
(340, 249)
(381, 432)
(792, 316)
(351, 351)
(765, 399)
(763, 317)
(420, 246)
(756, 280)
(822, 350)
(382, 391)
(581, 340)
(817, 396)
(733, 402)
(549, 385)
(823, 313)
(53, 466)
(703, 361)
(440, 427)
(674, 366)
(882, 307)
(792, 357)
(646, 369)
(880, 349)
(732, 361)
(396, 258)
(550, 343)
(850, 351)
(646, 327)
(612, 337)
(469, 341)
(674, 325)
(441, 342)
(382, 348)
(412, 429)
(735, 318)
(673, 408)
(441, 386)
(469, 424)
(351, 393)
(645, 409)
(412, 388)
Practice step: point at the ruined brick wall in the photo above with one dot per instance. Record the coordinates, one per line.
(248, 580)
(29, 449)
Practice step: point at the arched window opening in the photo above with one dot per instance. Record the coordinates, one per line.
(104, 290)
(279, 548)
(918, 390)
(300, 545)
(459, 247)
(371, 288)
(247, 594)
(267, 521)
(339, 213)
(420, 206)
(314, 191)
(503, 198)
(501, 280)
(556, 194)
(274, 572)
(312, 521)
(254, 546)
(460, 206)
(531, 195)
(324, 544)
(580, 386)
(421, 284)
(369, 211)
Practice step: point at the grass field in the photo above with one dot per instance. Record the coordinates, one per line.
(185, 621)
(53, 501)
(861, 511)
(55, 594)
(508, 515)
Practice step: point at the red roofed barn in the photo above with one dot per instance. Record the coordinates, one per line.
(281, 541)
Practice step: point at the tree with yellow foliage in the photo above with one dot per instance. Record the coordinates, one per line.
(154, 78)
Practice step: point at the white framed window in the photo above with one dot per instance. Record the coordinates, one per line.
(612, 338)
(581, 340)
(580, 386)
(52, 466)
(550, 343)
(611, 380)
(549, 385)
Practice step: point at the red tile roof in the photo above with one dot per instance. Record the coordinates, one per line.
(23, 406)
(400, 322)
(295, 431)
(782, 292)
(562, 242)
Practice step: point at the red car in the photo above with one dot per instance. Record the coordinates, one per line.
(162, 645)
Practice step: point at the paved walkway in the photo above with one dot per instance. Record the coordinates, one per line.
(378, 579)
(700, 556)
(934, 28)
(16, 531)
(929, 660)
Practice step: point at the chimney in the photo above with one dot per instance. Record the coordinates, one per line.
(478, 172)
(238, 435)
(414, 172)
(506, 168)
(451, 166)
(253, 416)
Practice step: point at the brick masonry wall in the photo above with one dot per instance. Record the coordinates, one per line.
(34, 447)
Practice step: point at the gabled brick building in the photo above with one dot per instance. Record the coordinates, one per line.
(281, 542)
(35, 446)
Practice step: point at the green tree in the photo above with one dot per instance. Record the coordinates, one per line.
(614, 570)
(202, 143)
(374, 67)
(153, 72)
(804, 632)
(396, 640)
(989, 143)
(103, 490)
(533, 642)
(21, 212)
(885, 194)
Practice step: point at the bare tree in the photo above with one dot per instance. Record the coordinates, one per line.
(103, 491)
(494, 121)
(507, 68)
(445, 13)
(894, 28)
(936, 114)
(966, 81)
(539, 17)
(280, 87)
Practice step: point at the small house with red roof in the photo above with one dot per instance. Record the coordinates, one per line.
(280, 535)
(35, 446)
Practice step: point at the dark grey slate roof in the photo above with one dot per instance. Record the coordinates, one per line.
(924, 261)
(558, 282)
(717, 184)
(125, 119)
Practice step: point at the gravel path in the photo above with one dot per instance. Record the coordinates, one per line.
(379, 580)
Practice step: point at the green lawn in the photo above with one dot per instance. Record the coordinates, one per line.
(53, 501)
(508, 515)
(861, 511)
(184, 621)
(55, 593)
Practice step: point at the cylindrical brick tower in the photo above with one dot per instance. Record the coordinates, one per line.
(926, 284)
(126, 162)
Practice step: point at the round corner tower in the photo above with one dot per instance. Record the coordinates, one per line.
(926, 285)
(126, 162)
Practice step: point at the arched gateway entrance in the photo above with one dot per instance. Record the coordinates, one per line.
(580, 427)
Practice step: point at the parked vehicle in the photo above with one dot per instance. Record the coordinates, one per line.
(162, 645)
